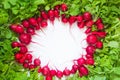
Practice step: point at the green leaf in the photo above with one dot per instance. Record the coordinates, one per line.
(6, 4)
(113, 44)
(116, 70)
(38, 2)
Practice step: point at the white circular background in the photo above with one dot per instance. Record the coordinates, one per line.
(58, 45)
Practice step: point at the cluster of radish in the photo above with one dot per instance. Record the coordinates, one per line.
(27, 28)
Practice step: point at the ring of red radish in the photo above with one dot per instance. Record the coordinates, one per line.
(28, 27)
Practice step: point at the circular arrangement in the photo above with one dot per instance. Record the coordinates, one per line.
(37, 27)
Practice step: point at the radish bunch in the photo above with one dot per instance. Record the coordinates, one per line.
(28, 28)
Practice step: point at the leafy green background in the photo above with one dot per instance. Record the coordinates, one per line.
(107, 65)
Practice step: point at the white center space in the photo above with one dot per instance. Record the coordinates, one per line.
(58, 45)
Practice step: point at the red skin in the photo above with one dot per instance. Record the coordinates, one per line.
(64, 7)
(44, 24)
(81, 61)
(25, 38)
(81, 24)
(89, 23)
(30, 31)
(48, 77)
(18, 56)
(99, 45)
(28, 57)
(51, 13)
(15, 44)
(83, 70)
(44, 15)
(37, 62)
(91, 39)
(13, 27)
(31, 66)
(100, 26)
(25, 65)
(26, 23)
(52, 72)
(88, 30)
(99, 20)
(59, 74)
(72, 19)
(57, 7)
(19, 29)
(33, 21)
(79, 18)
(56, 13)
(90, 50)
(87, 16)
(90, 61)
(64, 19)
(45, 71)
(23, 49)
(66, 72)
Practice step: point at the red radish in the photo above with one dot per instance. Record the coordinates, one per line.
(37, 62)
(13, 27)
(18, 56)
(44, 24)
(15, 44)
(99, 20)
(19, 29)
(39, 19)
(30, 61)
(79, 18)
(64, 7)
(39, 69)
(102, 34)
(80, 74)
(74, 69)
(89, 23)
(45, 70)
(83, 70)
(56, 13)
(57, 7)
(81, 61)
(44, 15)
(91, 39)
(51, 13)
(25, 65)
(81, 24)
(25, 23)
(100, 26)
(66, 72)
(89, 56)
(21, 44)
(49, 77)
(71, 20)
(52, 72)
(59, 74)
(52, 19)
(90, 50)
(87, 16)
(23, 49)
(28, 56)
(99, 34)
(88, 30)
(90, 61)
(64, 19)
(31, 66)
(30, 31)
(22, 60)
(99, 44)
(25, 38)
(33, 21)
